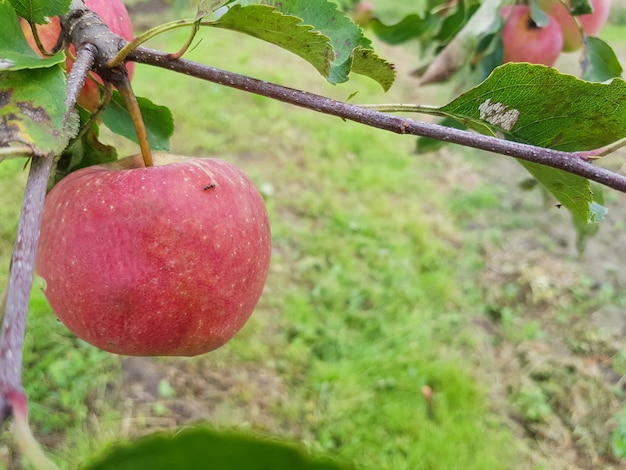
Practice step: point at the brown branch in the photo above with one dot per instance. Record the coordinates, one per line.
(572, 162)
(21, 282)
(85, 58)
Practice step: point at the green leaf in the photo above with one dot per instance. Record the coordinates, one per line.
(158, 120)
(456, 22)
(573, 191)
(38, 11)
(584, 231)
(346, 39)
(32, 109)
(529, 103)
(581, 7)
(205, 448)
(459, 51)
(366, 62)
(206, 7)
(84, 152)
(15, 53)
(285, 31)
(410, 27)
(428, 144)
(602, 63)
(539, 17)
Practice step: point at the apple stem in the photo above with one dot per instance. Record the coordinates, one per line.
(126, 90)
(21, 282)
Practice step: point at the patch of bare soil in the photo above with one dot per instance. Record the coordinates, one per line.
(165, 394)
(554, 348)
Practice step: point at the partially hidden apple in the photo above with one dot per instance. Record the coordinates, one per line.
(114, 14)
(153, 261)
(524, 41)
(591, 23)
(363, 13)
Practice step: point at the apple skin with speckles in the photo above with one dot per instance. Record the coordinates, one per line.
(168, 260)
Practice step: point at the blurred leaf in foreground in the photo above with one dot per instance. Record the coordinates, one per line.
(206, 448)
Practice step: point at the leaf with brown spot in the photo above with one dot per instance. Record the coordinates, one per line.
(32, 109)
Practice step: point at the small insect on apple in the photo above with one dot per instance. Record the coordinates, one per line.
(152, 261)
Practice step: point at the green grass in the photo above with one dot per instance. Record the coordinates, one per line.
(372, 291)
(64, 378)
(363, 307)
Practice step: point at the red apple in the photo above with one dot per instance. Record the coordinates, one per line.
(591, 23)
(524, 41)
(114, 14)
(164, 260)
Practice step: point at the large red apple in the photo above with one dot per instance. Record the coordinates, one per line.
(163, 260)
(114, 14)
(591, 23)
(524, 41)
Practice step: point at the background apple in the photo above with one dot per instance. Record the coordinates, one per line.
(524, 41)
(164, 260)
(363, 13)
(114, 14)
(591, 23)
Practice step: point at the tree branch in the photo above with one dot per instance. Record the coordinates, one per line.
(572, 162)
(21, 282)
(85, 57)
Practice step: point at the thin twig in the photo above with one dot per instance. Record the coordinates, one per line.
(572, 162)
(16, 152)
(85, 57)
